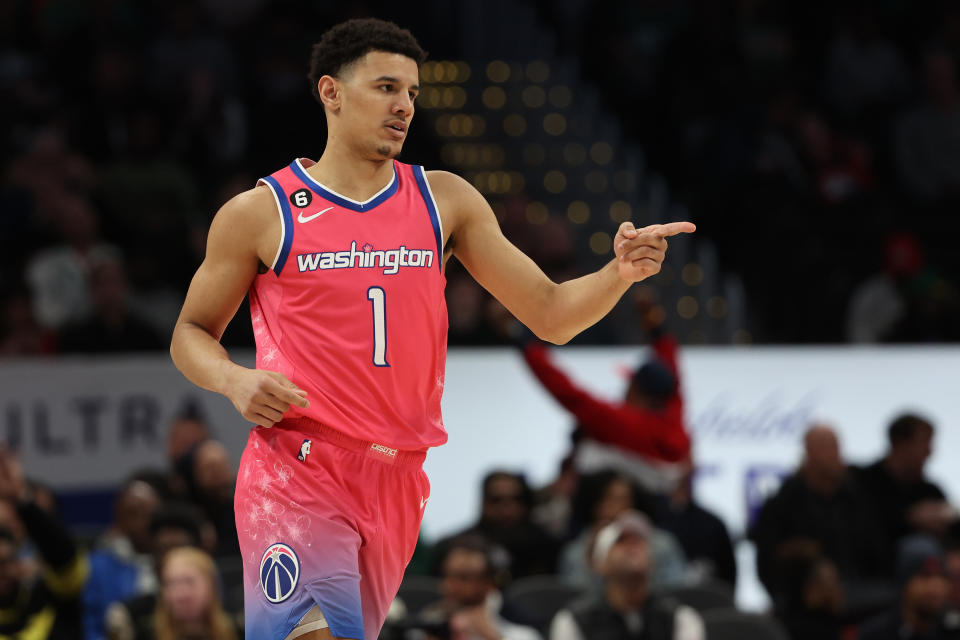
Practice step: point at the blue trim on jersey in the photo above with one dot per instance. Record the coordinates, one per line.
(339, 200)
(287, 223)
(421, 177)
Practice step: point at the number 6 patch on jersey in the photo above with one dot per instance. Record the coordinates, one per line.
(301, 198)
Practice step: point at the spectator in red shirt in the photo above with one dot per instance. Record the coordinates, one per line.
(648, 424)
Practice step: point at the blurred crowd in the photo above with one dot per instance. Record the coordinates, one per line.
(829, 126)
(167, 567)
(615, 547)
(817, 143)
(127, 124)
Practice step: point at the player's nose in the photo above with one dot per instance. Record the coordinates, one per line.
(403, 106)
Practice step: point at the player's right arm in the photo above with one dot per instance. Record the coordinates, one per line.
(242, 234)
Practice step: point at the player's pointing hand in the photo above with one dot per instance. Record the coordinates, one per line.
(262, 397)
(640, 252)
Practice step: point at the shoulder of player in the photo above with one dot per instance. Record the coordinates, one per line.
(453, 194)
(446, 184)
(251, 204)
(244, 221)
(252, 210)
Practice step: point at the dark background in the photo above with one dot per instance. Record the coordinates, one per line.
(815, 144)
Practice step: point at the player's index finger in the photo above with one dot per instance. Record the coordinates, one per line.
(676, 228)
(291, 396)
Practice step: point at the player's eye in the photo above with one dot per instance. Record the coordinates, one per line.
(413, 96)
(387, 88)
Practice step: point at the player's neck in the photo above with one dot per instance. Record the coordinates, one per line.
(350, 175)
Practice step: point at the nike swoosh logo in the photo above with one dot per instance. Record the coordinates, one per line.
(301, 218)
(423, 502)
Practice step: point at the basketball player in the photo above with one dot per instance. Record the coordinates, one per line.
(343, 260)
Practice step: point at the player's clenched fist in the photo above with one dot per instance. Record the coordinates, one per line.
(640, 252)
(263, 397)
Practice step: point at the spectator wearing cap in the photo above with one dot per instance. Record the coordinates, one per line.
(600, 499)
(644, 434)
(505, 521)
(923, 610)
(626, 609)
(819, 510)
(907, 502)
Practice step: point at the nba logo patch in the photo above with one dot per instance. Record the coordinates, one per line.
(279, 572)
(304, 451)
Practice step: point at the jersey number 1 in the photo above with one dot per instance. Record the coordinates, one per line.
(377, 298)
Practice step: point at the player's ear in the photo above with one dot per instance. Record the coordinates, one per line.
(329, 90)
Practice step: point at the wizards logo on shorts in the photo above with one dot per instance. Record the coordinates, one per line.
(279, 572)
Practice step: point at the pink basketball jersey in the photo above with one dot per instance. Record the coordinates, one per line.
(353, 308)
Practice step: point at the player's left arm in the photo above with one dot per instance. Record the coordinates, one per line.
(554, 312)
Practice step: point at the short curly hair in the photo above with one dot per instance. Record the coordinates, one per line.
(349, 41)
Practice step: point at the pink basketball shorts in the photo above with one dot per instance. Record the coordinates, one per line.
(324, 519)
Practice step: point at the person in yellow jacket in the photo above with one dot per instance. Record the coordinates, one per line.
(45, 605)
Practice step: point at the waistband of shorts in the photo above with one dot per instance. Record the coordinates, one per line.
(375, 450)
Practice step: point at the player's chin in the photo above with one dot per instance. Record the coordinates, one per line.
(388, 151)
(388, 148)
